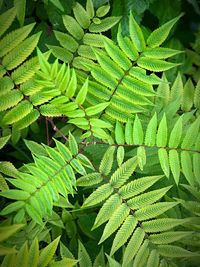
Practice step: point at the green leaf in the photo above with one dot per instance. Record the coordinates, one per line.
(61, 53)
(102, 10)
(191, 134)
(197, 96)
(133, 245)
(100, 259)
(136, 34)
(22, 185)
(27, 120)
(64, 262)
(81, 15)
(150, 136)
(73, 144)
(188, 95)
(108, 65)
(100, 194)
(138, 185)
(100, 123)
(177, 88)
(151, 211)
(12, 207)
(112, 262)
(80, 122)
(44, 64)
(9, 169)
(153, 260)
(33, 254)
(14, 38)
(8, 259)
(124, 233)
(140, 74)
(160, 52)
(119, 133)
(116, 54)
(107, 161)
(73, 27)
(175, 252)
(10, 99)
(33, 213)
(147, 198)
(18, 112)
(57, 4)
(120, 155)
(142, 255)
(78, 166)
(117, 218)
(129, 132)
(83, 257)
(71, 88)
(186, 164)
(20, 6)
(122, 174)
(155, 65)
(176, 134)
(158, 36)
(162, 224)
(66, 41)
(126, 45)
(93, 110)
(141, 157)
(35, 148)
(104, 25)
(22, 256)
(106, 211)
(15, 194)
(48, 253)
(168, 237)
(162, 133)
(90, 8)
(174, 163)
(138, 134)
(6, 19)
(4, 140)
(82, 93)
(164, 161)
(196, 160)
(20, 53)
(7, 231)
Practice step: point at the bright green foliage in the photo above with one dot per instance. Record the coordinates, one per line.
(83, 33)
(51, 175)
(173, 150)
(127, 206)
(99, 134)
(5, 233)
(127, 87)
(32, 256)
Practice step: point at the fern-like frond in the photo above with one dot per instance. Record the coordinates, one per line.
(158, 36)
(32, 256)
(6, 19)
(122, 70)
(10, 99)
(83, 32)
(136, 34)
(52, 175)
(176, 152)
(15, 57)
(13, 39)
(131, 211)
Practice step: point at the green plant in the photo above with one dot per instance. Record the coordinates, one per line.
(101, 144)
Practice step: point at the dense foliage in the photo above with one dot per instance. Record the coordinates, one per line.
(99, 133)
